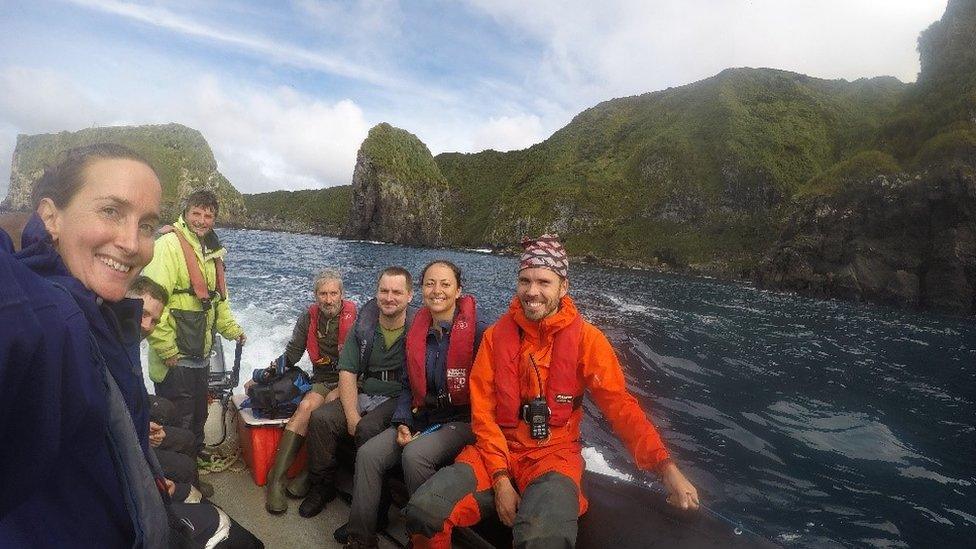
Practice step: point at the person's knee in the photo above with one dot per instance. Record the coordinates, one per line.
(434, 502)
(415, 463)
(327, 417)
(161, 410)
(366, 430)
(548, 513)
(370, 456)
(302, 414)
(311, 402)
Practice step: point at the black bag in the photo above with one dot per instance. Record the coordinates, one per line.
(276, 395)
(191, 331)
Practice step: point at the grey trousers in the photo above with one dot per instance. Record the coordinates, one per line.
(420, 460)
(327, 425)
(546, 517)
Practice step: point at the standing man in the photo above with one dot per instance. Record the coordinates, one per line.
(370, 367)
(188, 262)
(527, 386)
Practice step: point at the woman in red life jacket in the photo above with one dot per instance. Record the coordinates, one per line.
(320, 331)
(432, 421)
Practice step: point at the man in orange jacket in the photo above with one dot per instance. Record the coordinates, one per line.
(526, 389)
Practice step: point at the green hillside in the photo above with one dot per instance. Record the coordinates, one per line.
(688, 175)
(309, 211)
(180, 155)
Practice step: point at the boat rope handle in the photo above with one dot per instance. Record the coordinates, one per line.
(738, 528)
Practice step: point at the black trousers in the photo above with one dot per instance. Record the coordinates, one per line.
(187, 389)
(178, 467)
(325, 428)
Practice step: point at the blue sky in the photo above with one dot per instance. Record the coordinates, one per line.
(286, 91)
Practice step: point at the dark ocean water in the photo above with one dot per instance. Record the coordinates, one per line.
(813, 423)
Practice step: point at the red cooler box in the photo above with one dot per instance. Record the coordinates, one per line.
(259, 442)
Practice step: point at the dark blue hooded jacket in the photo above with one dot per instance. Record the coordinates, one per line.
(59, 483)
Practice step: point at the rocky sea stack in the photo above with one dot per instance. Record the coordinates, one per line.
(398, 192)
(180, 155)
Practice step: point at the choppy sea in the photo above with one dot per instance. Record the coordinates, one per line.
(813, 423)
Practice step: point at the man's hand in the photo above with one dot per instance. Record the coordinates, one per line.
(156, 434)
(170, 486)
(681, 493)
(403, 435)
(351, 422)
(171, 361)
(242, 339)
(506, 500)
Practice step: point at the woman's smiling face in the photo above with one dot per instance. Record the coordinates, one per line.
(105, 233)
(441, 291)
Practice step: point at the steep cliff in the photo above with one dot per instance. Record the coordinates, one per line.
(398, 191)
(898, 225)
(180, 155)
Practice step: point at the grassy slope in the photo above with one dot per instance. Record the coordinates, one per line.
(169, 147)
(400, 156)
(324, 210)
(684, 175)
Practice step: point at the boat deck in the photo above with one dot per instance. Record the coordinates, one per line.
(236, 493)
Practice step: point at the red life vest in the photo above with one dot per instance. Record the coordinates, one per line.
(197, 281)
(347, 316)
(563, 389)
(460, 352)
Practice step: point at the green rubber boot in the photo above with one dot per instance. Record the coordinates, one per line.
(298, 487)
(276, 502)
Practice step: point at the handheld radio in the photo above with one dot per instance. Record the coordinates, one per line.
(536, 413)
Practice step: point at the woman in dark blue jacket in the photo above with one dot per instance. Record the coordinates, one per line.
(432, 421)
(75, 427)
(76, 468)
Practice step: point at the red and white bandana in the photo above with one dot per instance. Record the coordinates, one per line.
(546, 252)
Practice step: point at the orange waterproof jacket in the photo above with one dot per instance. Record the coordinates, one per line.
(512, 448)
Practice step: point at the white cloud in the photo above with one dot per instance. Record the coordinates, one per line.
(262, 139)
(39, 100)
(277, 50)
(595, 51)
(260, 82)
(278, 139)
(508, 133)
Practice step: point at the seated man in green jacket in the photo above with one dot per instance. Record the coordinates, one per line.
(370, 367)
(188, 263)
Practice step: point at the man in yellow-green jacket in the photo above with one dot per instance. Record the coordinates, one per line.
(188, 263)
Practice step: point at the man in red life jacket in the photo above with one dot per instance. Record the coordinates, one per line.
(320, 331)
(526, 388)
(370, 367)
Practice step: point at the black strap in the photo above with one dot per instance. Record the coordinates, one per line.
(384, 375)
